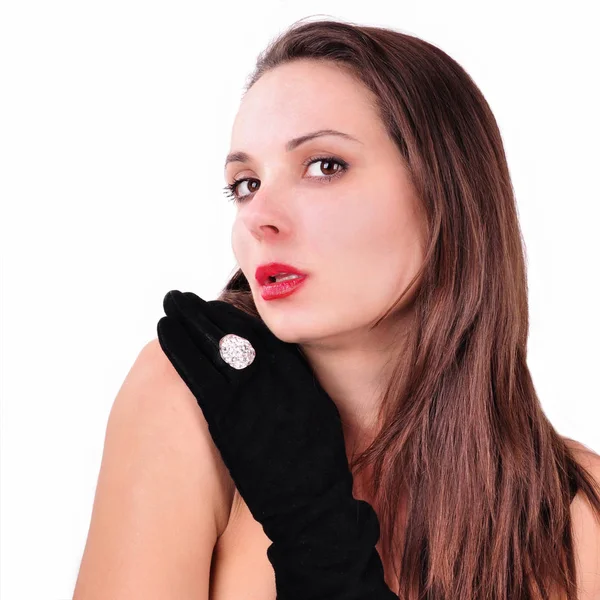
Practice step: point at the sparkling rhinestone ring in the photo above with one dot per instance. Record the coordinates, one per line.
(236, 351)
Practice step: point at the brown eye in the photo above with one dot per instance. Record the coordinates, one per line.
(253, 185)
(327, 164)
(231, 189)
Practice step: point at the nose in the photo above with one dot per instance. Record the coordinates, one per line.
(266, 217)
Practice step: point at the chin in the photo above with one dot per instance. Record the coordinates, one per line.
(285, 334)
(283, 331)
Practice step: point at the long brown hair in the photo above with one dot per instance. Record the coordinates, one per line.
(487, 478)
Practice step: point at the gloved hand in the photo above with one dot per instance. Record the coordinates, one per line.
(281, 438)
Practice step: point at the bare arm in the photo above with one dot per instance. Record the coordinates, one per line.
(162, 493)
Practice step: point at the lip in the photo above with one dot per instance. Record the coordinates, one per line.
(274, 291)
(263, 272)
(281, 289)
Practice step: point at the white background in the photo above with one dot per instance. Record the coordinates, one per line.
(115, 122)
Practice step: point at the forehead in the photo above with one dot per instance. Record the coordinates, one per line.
(303, 96)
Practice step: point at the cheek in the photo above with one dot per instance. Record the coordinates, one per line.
(237, 243)
(240, 251)
(368, 228)
(373, 253)
(399, 241)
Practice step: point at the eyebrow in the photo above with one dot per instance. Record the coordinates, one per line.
(292, 144)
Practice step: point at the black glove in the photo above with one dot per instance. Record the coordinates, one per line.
(280, 436)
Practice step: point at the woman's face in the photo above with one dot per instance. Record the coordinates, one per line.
(359, 235)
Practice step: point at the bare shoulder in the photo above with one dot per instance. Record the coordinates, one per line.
(583, 454)
(586, 527)
(162, 493)
(165, 398)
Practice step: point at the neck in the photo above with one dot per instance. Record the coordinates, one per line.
(354, 369)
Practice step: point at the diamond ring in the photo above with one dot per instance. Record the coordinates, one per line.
(236, 351)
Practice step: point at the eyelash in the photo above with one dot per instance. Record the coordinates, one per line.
(231, 187)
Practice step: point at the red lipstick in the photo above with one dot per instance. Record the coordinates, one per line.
(278, 280)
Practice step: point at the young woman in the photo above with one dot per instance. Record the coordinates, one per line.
(369, 162)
